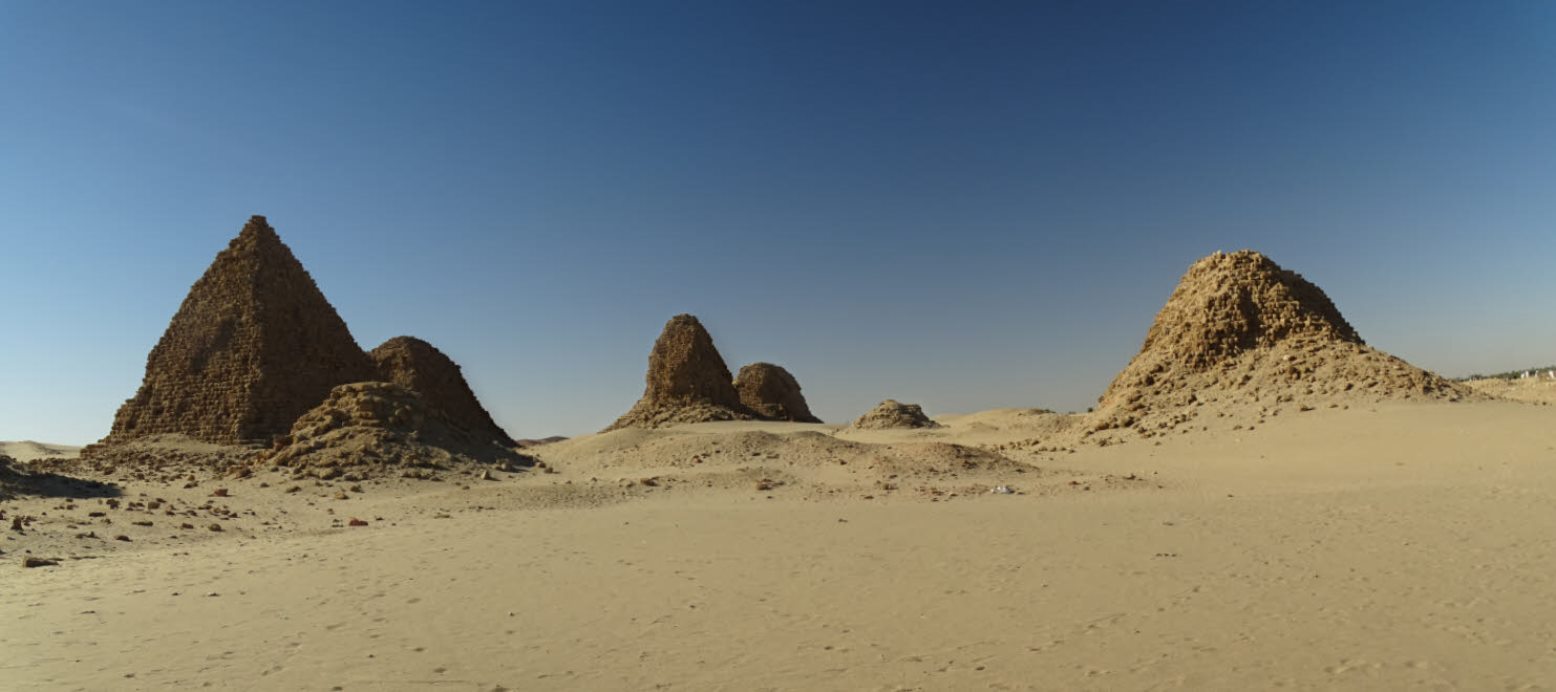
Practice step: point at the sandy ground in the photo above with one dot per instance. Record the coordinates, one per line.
(27, 450)
(1536, 389)
(1389, 547)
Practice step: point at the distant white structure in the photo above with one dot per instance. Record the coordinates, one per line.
(1526, 375)
(1550, 374)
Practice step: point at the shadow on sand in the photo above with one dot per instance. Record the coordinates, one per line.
(17, 483)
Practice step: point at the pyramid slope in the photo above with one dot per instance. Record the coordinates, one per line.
(687, 381)
(253, 346)
(1244, 337)
(419, 366)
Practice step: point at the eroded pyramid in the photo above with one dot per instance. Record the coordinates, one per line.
(895, 415)
(417, 365)
(1244, 337)
(771, 392)
(254, 345)
(687, 381)
(373, 429)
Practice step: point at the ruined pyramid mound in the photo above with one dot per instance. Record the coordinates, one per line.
(254, 345)
(687, 381)
(1245, 337)
(894, 415)
(418, 366)
(771, 392)
(367, 429)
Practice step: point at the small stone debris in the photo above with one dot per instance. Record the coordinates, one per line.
(122, 537)
(215, 527)
(356, 522)
(650, 482)
(1002, 490)
(219, 492)
(39, 562)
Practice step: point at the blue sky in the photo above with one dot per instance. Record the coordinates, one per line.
(966, 205)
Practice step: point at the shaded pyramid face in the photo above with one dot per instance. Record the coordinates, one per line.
(422, 368)
(687, 381)
(254, 346)
(771, 392)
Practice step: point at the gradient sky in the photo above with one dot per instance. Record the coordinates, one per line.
(966, 205)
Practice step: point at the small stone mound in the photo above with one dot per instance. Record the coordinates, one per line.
(1243, 333)
(687, 381)
(418, 366)
(253, 346)
(367, 429)
(771, 392)
(894, 415)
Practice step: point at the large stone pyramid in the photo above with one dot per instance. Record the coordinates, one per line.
(418, 366)
(254, 345)
(1245, 337)
(687, 381)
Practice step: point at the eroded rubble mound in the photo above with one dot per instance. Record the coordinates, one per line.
(418, 366)
(771, 392)
(687, 381)
(367, 429)
(1245, 338)
(254, 345)
(894, 415)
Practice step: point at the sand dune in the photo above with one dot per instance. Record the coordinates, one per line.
(27, 450)
(1396, 547)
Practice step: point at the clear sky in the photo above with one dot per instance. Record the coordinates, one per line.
(961, 204)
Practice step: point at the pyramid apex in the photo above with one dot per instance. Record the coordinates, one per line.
(257, 226)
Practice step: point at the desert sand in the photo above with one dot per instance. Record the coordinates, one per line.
(27, 450)
(1260, 499)
(1401, 546)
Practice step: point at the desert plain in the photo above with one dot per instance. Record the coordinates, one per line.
(1259, 501)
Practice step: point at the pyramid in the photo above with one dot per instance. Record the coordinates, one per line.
(894, 415)
(1242, 332)
(771, 392)
(687, 381)
(418, 366)
(373, 429)
(254, 345)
